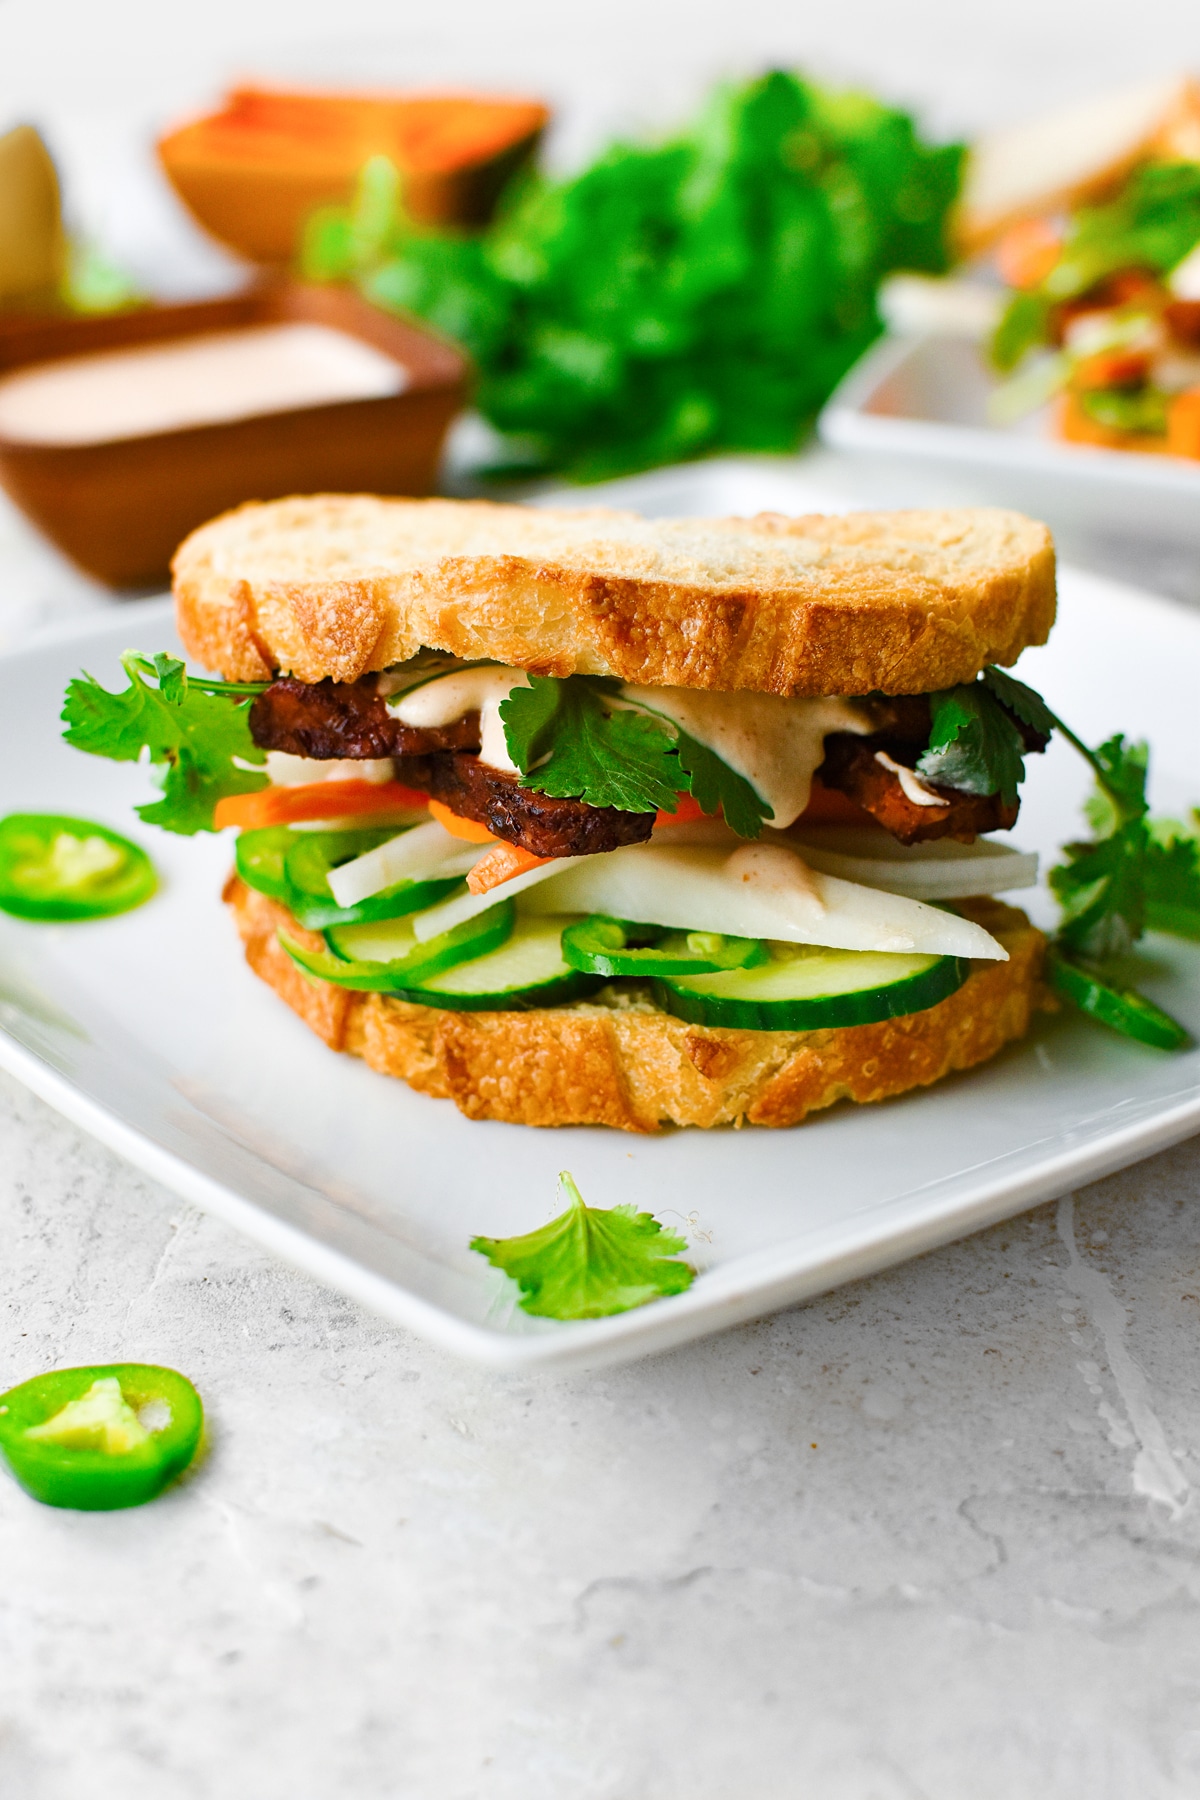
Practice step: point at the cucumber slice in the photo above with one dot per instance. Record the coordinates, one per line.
(1123, 1009)
(312, 854)
(602, 946)
(258, 857)
(806, 988)
(407, 960)
(529, 971)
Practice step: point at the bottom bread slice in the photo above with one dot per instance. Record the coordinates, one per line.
(617, 1060)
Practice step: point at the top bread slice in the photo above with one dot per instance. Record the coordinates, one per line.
(336, 585)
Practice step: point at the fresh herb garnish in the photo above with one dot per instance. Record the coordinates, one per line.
(576, 738)
(590, 1262)
(1173, 877)
(974, 745)
(193, 729)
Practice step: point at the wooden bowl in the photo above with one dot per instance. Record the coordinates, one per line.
(253, 174)
(119, 508)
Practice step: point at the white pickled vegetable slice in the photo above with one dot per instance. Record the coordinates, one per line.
(425, 853)
(761, 890)
(449, 913)
(942, 870)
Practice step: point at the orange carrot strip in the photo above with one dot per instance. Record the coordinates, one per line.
(1183, 424)
(1027, 252)
(467, 829)
(314, 800)
(687, 808)
(500, 865)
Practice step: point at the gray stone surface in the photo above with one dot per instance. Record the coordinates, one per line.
(935, 1535)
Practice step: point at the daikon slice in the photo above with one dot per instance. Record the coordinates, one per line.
(761, 890)
(459, 907)
(425, 852)
(942, 870)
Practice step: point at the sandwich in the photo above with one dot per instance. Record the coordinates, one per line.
(1093, 218)
(574, 817)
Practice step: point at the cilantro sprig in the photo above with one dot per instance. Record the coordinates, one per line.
(976, 744)
(590, 1262)
(193, 730)
(576, 738)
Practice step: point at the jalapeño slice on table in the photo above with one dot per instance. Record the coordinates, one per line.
(1123, 1009)
(807, 988)
(385, 957)
(100, 1438)
(55, 867)
(610, 947)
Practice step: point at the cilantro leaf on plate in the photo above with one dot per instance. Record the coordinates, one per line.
(1173, 878)
(569, 740)
(590, 1262)
(193, 730)
(1102, 885)
(974, 744)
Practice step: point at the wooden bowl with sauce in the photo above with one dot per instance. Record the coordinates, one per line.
(119, 435)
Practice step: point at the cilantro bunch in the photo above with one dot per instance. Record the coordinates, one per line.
(674, 298)
(194, 732)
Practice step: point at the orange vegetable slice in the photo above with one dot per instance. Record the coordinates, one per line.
(500, 865)
(314, 800)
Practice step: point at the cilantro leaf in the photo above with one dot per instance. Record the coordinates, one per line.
(192, 730)
(589, 1262)
(715, 785)
(1173, 879)
(974, 744)
(1102, 885)
(568, 739)
(1020, 700)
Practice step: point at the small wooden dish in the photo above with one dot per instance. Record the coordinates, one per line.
(120, 508)
(253, 173)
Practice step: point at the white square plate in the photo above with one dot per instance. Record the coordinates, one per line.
(922, 402)
(150, 1032)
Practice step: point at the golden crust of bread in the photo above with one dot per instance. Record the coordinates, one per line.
(337, 585)
(638, 1068)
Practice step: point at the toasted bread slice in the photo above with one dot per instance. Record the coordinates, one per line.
(1075, 154)
(637, 1068)
(336, 585)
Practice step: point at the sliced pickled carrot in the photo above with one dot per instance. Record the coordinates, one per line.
(467, 829)
(500, 865)
(314, 800)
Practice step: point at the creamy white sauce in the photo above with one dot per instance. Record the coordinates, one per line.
(913, 786)
(776, 744)
(452, 697)
(286, 770)
(204, 380)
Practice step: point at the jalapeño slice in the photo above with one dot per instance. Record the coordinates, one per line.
(311, 856)
(55, 867)
(386, 958)
(610, 947)
(1122, 1009)
(100, 1438)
